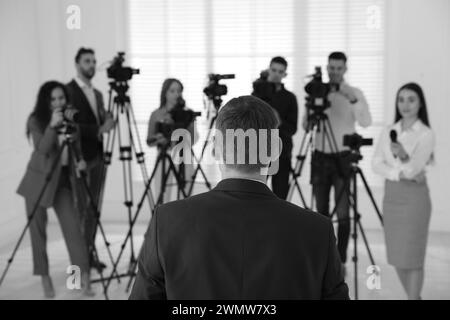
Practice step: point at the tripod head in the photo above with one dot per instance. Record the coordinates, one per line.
(68, 130)
(355, 142)
(121, 89)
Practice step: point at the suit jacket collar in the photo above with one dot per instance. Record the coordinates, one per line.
(80, 93)
(244, 185)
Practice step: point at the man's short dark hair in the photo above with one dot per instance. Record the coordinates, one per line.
(247, 112)
(337, 55)
(82, 51)
(279, 60)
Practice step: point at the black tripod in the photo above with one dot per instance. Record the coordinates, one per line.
(67, 145)
(318, 121)
(167, 167)
(129, 142)
(217, 101)
(351, 191)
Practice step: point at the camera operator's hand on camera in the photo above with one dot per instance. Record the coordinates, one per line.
(398, 151)
(81, 165)
(57, 118)
(347, 92)
(161, 139)
(108, 124)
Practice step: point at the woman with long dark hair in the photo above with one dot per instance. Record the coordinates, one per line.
(402, 155)
(171, 101)
(43, 128)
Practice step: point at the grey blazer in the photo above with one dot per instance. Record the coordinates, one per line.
(46, 148)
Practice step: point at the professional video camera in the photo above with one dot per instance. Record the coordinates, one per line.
(355, 141)
(317, 90)
(118, 72)
(262, 88)
(181, 117)
(214, 90)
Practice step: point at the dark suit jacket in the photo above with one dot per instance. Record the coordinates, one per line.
(238, 241)
(91, 143)
(46, 150)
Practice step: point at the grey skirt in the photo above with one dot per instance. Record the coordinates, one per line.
(406, 211)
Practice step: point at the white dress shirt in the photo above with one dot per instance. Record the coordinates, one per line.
(343, 116)
(418, 142)
(89, 92)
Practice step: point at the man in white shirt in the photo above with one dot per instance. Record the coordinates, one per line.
(330, 167)
(93, 121)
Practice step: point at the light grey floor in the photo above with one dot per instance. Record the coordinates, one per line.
(20, 284)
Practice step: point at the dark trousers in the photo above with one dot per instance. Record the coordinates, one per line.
(333, 170)
(280, 181)
(94, 178)
(69, 220)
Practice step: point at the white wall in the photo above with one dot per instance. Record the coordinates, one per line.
(37, 46)
(419, 50)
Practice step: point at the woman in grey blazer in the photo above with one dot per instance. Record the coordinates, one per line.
(61, 191)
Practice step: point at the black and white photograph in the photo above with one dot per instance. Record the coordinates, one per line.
(249, 151)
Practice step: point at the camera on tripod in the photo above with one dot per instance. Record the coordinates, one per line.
(355, 141)
(181, 117)
(262, 88)
(118, 72)
(214, 90)
(70, 119)
(317, 90)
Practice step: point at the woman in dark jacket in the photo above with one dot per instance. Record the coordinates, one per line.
(61, 191)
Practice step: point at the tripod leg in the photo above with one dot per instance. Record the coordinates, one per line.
(213, 120)
(137, 147)
(369, 192)
(297, 171)
(33, 212)
(91, 245)
(177, 175)
(355, 234)
(199, 167)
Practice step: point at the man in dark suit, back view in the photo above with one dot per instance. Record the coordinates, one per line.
(239, 241)
(93, 121)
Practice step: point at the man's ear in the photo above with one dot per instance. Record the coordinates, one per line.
(285, 75)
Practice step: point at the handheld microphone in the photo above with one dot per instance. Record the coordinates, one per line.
(393, 135)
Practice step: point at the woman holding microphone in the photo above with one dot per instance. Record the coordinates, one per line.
(404, 151)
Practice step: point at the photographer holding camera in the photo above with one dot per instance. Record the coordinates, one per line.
(44, 127)
(94, 121)
(332, 167)
(162, 122)
(270, 89)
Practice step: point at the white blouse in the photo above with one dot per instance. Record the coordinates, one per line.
(418, 141)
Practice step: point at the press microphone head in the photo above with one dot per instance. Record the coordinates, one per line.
(393, 135)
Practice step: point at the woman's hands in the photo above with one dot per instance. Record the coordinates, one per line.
(398, 151)
(57, 118)
(419, 178)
